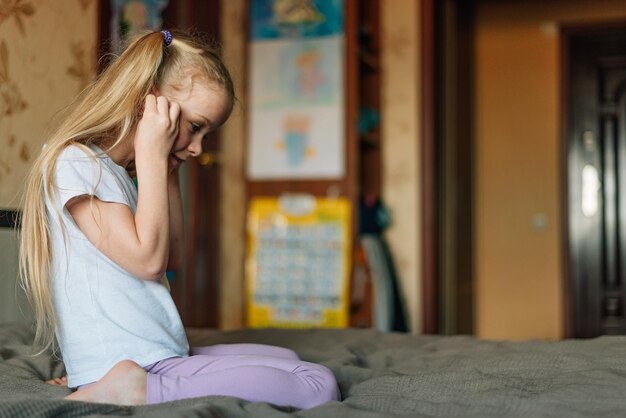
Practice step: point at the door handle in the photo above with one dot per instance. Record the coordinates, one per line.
(208, 159)
(591, 186)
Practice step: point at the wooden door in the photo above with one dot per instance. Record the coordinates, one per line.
(195, 283)
(596, 177)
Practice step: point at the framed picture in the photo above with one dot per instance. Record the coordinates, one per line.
(296, 90)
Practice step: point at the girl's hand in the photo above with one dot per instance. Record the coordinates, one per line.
(157, 130)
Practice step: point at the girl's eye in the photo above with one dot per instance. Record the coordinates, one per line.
(195, 127)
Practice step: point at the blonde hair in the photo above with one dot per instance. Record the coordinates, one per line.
(106, 110)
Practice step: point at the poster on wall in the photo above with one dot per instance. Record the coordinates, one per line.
(297, 266)
(296, 128)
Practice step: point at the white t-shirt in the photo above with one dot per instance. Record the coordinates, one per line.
(104, 314)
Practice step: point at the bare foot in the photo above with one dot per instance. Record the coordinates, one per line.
(58, 381)
(124, 384)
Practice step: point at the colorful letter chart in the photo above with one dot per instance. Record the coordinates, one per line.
(297, 270)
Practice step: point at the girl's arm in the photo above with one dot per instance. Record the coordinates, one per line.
(140, 243)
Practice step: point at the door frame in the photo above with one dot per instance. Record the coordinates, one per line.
(569, 261)
(447, 145)
(429, 239)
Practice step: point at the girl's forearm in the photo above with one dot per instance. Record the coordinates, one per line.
(152, 216)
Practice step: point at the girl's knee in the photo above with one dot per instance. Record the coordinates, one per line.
(330, 383)
(325, 385)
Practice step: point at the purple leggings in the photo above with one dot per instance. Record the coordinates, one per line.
(254, 372)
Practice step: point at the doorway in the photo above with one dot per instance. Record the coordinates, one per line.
(195, 284)
(595, 155)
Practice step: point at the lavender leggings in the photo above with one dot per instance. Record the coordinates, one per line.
(254, 372)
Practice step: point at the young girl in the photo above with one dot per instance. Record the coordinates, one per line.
(94, 248)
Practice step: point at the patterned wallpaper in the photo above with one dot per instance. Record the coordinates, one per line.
(47, 55)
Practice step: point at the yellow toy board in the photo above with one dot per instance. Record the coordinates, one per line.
(298, 262)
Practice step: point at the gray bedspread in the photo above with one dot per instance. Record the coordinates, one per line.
(380, 375)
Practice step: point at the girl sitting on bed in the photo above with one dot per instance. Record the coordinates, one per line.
(94, 248)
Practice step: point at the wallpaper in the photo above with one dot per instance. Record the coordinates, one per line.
(47, 55)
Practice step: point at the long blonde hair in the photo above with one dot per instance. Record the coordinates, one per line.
(107, 109)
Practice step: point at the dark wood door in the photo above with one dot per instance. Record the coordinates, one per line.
(596, 177)
(195, 284)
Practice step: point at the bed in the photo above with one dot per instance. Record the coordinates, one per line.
(380, 375)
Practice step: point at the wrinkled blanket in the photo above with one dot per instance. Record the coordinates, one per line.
(379, 374)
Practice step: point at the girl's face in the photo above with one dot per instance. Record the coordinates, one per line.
(203, 108)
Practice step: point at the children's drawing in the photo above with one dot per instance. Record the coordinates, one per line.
(295, 141)
(297, 89)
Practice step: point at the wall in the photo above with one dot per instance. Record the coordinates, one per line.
(47, 55)
(400, 111)
(519, 271)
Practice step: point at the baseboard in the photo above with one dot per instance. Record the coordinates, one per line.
(9, 218)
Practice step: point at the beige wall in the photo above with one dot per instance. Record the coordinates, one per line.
(517, 87)
(400, 107)
(47, 55)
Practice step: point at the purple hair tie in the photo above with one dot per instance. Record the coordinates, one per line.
(167, 38)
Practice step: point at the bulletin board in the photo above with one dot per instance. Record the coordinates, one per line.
(298, 262)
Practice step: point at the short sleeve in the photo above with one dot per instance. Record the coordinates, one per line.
(79, 173)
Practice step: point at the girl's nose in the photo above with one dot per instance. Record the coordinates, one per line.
(195, 148)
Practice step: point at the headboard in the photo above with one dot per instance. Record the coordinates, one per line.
(9, 218)
(13, 304)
